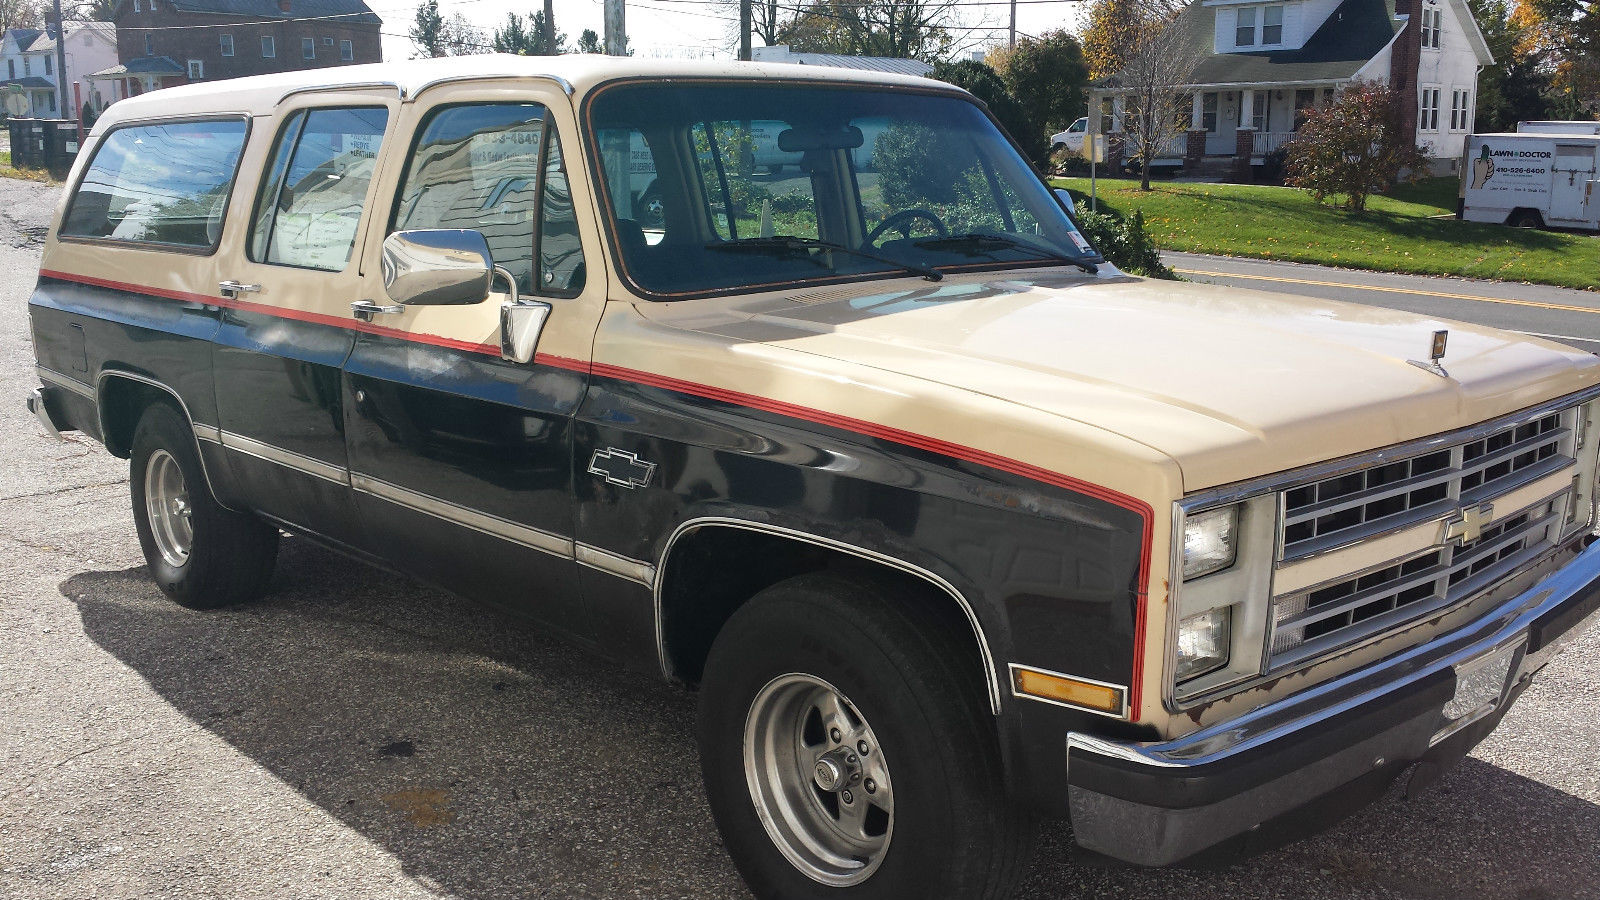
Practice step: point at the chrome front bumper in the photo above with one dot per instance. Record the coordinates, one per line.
(1163, 803)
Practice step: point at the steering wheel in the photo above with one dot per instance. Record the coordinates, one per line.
(901, 221)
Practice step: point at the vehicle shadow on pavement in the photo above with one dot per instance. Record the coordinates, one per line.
(496, 761)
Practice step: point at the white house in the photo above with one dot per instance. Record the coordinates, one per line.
(1264, 64)
(28, 58)
(26, 72)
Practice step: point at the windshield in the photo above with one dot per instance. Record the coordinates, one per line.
(735, 186)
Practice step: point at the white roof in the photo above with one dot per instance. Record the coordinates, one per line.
(577, 73)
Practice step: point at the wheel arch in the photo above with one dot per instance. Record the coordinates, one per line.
(120, 400)
(682, 640)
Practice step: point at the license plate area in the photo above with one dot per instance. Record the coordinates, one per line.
(1481, 685)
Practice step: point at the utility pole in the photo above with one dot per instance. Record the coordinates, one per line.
(549, 27)
(1011, 40)
(744, 30)
(61, 65)
(616, 28)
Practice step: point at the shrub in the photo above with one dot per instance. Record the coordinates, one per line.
(1354, 146)
(1125, 243)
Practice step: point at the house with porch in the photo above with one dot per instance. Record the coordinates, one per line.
(26, 72)
(28, 57)
(1263, 65)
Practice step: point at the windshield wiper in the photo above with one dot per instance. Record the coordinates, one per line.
(981, 241)
(789, 243)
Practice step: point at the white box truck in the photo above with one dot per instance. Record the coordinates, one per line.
(1558, 126)
(1531, 180)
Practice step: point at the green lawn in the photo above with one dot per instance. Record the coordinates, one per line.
(1397, 233)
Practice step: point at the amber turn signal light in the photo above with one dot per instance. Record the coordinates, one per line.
(1071, 691)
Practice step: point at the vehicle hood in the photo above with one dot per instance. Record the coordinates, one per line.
(1229, 383)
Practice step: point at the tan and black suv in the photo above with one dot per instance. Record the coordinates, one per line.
(800, 386)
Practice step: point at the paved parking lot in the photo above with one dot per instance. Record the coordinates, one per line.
(356, 735)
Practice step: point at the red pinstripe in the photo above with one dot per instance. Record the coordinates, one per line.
(737, 398)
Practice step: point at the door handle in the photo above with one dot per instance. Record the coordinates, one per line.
(232, 289)
(366, 310)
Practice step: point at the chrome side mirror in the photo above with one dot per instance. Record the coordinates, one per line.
(1065, 199)
(521, 322)
(437, 267)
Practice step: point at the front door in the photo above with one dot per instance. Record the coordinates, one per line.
(285, 307)
(462, 461)
(1574, 167)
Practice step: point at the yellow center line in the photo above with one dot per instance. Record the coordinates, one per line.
(1395, 290)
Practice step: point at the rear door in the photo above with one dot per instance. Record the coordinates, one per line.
(1574, 168)
(462, 461)
(286, 308)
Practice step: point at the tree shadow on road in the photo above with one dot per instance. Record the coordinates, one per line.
(494, 761)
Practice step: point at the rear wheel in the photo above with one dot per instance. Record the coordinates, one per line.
(1526, 218)
(848, 749)
(200, 554)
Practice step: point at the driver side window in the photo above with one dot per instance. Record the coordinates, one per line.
(497, 168)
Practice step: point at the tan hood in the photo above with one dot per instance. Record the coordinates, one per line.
(1229, 383)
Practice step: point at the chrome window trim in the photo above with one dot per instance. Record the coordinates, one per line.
(695, 524)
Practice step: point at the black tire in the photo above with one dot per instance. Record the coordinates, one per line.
(914, 678)
(1526, 218)
(230, 555)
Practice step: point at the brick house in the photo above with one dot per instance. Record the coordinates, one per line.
(162, 43)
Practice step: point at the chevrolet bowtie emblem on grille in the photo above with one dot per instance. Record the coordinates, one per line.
(1435, 353)
(1467, 525)
(621, 468)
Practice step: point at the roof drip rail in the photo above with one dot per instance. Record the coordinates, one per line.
(565, 85)
(352, 86)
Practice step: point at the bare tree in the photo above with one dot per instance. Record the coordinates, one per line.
(1158, 60)
(907, 29)
(768, 18)
(21, 14)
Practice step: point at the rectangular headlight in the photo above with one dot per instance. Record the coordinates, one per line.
(1203, 642)
(1210, 541)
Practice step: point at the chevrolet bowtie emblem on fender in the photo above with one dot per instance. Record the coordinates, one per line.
(621, 468)
(1467, 525)
(1435, 353)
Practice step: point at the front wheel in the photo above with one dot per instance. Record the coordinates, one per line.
(201, 555)
(849, 752)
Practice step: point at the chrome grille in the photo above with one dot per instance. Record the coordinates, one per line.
(1346, 508)
(1391, 494)
(1312, 622)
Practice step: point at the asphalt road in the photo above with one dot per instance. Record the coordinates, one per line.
(1561, 314)
(356, 735)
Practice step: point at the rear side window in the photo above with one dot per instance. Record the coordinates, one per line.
(309, 211)
(479, 167)
(165, 184)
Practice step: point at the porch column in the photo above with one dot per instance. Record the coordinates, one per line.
(1114, 142)
(1194, 148)
(1244, 145)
